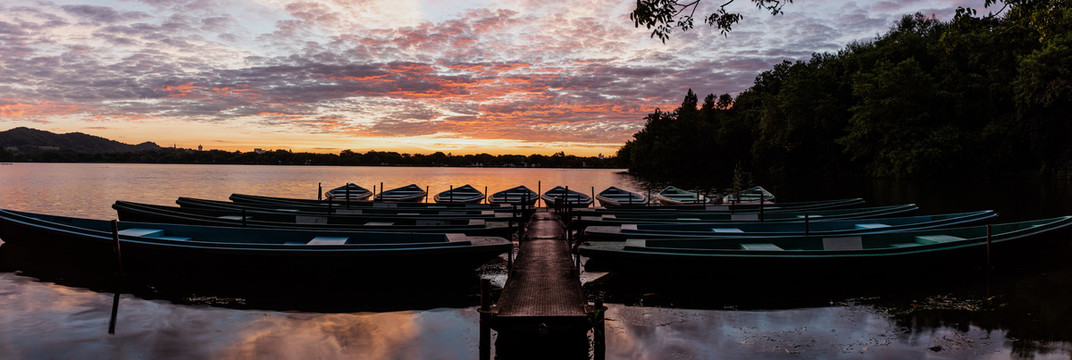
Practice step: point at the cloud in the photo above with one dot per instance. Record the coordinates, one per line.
(102, 14)
(526, 70)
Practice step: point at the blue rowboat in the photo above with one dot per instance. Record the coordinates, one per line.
(160, 245)
(465, 194)
(613, 196)
(674, 196)
(569, 198)
(519, 195)
(348, 192)
(783, 229)
(405, 194)
(880, 253)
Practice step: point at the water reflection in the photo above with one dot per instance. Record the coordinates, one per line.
(48, 312)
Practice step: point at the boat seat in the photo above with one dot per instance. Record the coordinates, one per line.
(379, 223)
(727, 230)
(176, 238)
(150, 233)
(871, 226)
(843, 243)
(408, 214)
(328, 240)
(901, 245)
(744, 217)
(688, 219)
(300, 219)
(139, 232)
(762, 247)
(232, 217)
(348, 211)
(937, 239)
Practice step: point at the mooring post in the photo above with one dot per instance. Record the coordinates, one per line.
(593, 197)
(426, 193)
(243, 217)
(329, 205)
(485, 194)
(988, 246)
(450, 198)
(539, 191)
(118, 251)
(761, 207)
(805, 224)
(319, 191)
(348, 195)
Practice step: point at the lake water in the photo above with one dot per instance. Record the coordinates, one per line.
(49, 309)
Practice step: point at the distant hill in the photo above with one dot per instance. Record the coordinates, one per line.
(27, 139)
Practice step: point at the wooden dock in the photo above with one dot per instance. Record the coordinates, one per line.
(543, 294)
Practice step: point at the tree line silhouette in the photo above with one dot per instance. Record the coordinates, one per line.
(974, 96)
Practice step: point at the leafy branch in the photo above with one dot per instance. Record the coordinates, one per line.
(663, 16)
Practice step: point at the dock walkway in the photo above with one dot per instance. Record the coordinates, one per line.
(543, 293)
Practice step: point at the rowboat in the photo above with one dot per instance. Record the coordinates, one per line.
(338, 215)
(726, 208)
(408, 193)
(614, 196)
(752, 195)
(160, 245)
(520, 195)
(272, 201)
(340, 208)
(674, 196)
(783, 229)
(824, 255)
(348, 192)
(461, 195)
(569, 198)
(129, 211)
(583, 219)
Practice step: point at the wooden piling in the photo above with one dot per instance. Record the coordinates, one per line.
(118, 251)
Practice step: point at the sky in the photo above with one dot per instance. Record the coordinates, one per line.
(412, 76)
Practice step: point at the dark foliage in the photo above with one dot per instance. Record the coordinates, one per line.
(975, 97)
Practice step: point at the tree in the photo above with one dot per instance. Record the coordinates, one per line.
(663, 16)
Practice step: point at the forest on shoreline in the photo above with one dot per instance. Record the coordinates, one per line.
(284, 157)
(976, 96)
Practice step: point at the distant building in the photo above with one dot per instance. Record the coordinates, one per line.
(600, 156)
(259, 150)
(199, 148)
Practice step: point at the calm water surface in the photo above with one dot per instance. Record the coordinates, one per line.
(50, 311)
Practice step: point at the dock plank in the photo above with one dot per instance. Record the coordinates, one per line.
(543, 286)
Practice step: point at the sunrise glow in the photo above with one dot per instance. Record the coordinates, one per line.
(417, 76)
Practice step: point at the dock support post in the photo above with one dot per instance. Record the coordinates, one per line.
(485, 319)
(426, 188)
(347, 195)
(539, 191)
(805, 224)
(119, 273)
(319, 191)
(599, 334)
(243, 217)
(485, 194)
(118, 252)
